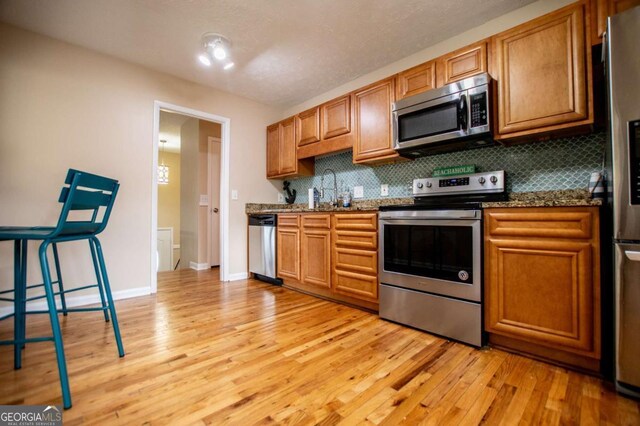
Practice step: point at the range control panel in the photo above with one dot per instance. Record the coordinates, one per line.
(476, 183)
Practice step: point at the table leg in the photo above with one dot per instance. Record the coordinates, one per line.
(17, 304)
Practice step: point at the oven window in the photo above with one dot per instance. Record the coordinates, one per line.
(428, 122)
(441, 252)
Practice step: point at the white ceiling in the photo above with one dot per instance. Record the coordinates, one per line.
(286, 51)
(170, 124)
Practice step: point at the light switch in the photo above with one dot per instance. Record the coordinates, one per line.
(234, 194)
(358, 192)
(384, 190)
(204, 200)
(280, 198)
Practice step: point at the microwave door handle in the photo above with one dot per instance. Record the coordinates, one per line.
(462, 112)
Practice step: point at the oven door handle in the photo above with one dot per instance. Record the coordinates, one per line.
(436, 214)
(431, 222)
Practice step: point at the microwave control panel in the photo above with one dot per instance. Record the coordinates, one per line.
(634, 161)
(479, 107)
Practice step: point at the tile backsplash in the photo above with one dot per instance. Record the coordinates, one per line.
(557, 164)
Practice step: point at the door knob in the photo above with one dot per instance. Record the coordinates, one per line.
(214, 210)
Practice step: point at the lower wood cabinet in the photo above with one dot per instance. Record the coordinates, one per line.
(332, 255)
(542, 283)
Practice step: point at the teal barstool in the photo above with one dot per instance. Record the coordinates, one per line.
(94, 195)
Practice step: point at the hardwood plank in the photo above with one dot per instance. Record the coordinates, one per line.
(206, 352)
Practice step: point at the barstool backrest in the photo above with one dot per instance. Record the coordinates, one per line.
(88, 192)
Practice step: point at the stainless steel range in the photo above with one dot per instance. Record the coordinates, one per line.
(431, 255)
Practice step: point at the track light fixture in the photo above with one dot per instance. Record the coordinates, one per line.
(216, 49)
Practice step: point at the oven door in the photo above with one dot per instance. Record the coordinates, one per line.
(438, 252)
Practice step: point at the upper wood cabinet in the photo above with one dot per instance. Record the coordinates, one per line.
(325, 129)
(282, 159)
(416, 80)
(543, 69)
(542, 282)
(308, 127)
(374, 140)
(601, 9)
(462, 63)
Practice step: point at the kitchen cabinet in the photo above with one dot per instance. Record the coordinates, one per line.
(326, 129)
(374, 138)
(542, 282)
(288, 246)
(462, 63)
(308, 127)
(354, 255)
(416, 80)
(601, 9)
(282, 159)
(335, 255)
(543, 69)
(315, 247)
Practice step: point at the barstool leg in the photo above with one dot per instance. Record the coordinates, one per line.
(23, 287)
(55, 325)
(17, 304)
(59, 275)
(107, 288)
(96, 268)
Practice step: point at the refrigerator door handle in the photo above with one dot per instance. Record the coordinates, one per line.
(633, 255)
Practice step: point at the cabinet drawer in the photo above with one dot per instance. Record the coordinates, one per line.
(356, 221)
(542, 222)
(364, 261)
(356, 239)
(286, 220)
(355, 284)
(316, 221)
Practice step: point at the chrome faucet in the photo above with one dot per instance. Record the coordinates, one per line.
(334, 198)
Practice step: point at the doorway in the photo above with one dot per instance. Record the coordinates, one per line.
(197, 236)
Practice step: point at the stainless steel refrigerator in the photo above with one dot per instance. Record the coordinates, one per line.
(622, 49)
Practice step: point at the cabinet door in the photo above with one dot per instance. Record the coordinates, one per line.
(316, 252)
(542, 68)
(288, 155)
(374, 141)
(541, 291)
(336, 117)
(416, 80)
(288, 253)
(462, 63)
(308, 126)
(273, 148)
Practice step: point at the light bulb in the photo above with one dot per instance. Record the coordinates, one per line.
(204, 59)
(229, 66)
(219, 52)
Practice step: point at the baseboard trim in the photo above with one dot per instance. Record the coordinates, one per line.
(199, 266)
(239, 276)
(77, 301)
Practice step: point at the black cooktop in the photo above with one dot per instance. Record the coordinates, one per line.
(448, 202)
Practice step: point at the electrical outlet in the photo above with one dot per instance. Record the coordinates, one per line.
(281, 198)
(234, 194)
(358, 192)
(384, 190)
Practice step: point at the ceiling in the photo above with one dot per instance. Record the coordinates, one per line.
(170, 124)
(286, 51)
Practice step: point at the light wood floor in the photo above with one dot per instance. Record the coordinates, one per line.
(247, 352)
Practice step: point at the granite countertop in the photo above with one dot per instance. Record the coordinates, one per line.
(558, 198)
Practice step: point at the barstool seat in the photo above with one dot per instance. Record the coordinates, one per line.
(95, 196)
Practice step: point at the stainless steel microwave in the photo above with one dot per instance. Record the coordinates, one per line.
(451, 118)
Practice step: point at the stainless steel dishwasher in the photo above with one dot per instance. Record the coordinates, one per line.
(262, 247)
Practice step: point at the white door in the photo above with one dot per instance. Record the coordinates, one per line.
(214, 201)
(165, 249)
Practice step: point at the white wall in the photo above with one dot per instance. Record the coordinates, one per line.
(63, 106)
(485, 30)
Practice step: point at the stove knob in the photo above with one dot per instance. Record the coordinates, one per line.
(481, 180)
(428, 184)
(493, 180)
(419, 185)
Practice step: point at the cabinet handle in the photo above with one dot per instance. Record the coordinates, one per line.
(633, 255)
